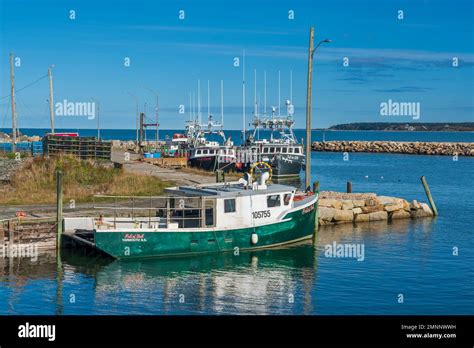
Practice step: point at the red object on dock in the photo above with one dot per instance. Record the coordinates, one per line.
(64, 134)
(20, 214)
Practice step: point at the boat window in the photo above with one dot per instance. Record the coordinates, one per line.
(205, 152)
(284, 150)
(272, 150)
(297, 150)
(273, 201)
(229, 205)
(265, 150)
(287, 198)
(290, 150)
(277, 149)
(198, 152)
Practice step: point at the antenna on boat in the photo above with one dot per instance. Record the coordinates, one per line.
(265, 92)
(194, 108)
(208, 100)
(255, 90)
(291, 86)
(222, 103)
(279, 103)
(199, 101)
(190, 105)
(243, 95)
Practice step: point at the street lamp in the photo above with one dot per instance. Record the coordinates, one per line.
(319, 44)
(308, 105)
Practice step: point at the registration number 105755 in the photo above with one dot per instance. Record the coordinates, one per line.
(261, 214)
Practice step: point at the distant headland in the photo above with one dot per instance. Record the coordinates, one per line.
(402, 126)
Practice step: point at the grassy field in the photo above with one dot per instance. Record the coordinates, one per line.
(35, 182)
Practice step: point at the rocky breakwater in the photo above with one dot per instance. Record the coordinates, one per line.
(339, 208)
(414, 148)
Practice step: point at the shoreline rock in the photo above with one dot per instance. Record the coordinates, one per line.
(339, 208)
(402, 147)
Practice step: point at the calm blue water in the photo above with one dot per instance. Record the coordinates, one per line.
(413, 258)
(129, 134)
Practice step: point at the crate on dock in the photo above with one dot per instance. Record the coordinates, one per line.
(83, 147)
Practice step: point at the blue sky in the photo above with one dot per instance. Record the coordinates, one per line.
(407, 60)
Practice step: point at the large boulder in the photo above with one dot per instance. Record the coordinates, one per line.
(415, 205)
(393, 207)
(378, 216)
(325, 202)
(326, 213)
(347, 204)
(400, 214)
(358, 202)
(386, 200)
(343, 215)
(427, 210)
(362, 218)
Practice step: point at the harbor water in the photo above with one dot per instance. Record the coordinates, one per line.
(422, 266)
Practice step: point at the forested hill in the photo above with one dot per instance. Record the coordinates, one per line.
(388, 126)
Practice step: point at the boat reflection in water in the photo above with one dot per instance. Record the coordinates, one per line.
(274, 281)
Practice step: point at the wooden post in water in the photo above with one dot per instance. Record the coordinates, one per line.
(316, 222)
(59, 208)
(316, 186)
(349, 187)
(308, 109)
(428, 194)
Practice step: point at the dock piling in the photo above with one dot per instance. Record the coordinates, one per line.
(316, 186)
(428, 194)
(59, 207)
(349, 187)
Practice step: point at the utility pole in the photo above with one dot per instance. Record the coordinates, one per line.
(308, 108)
(51, 110)
(142, 116)
(98, 120)
(12, 80)
(157, 124)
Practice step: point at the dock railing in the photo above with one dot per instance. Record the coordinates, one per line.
(156, 212)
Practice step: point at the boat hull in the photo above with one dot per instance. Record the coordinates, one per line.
(287, 165)
(294, 226)
(210, 163)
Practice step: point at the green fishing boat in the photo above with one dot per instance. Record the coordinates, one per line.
(221, 217)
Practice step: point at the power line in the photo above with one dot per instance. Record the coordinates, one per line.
(30, 84)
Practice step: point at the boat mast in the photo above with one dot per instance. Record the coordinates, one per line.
(190, 106)
(209, 120)
(243, 96)
(222, 104)
(279, 99)
(265, 93)
(255, 91)
(199, 101)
